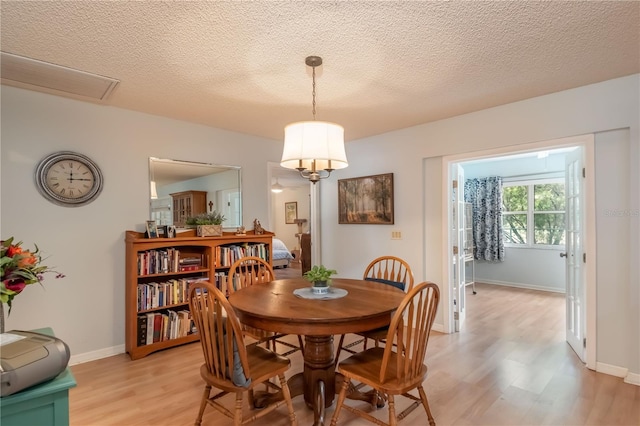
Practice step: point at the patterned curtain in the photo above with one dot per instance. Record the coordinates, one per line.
(485, 195)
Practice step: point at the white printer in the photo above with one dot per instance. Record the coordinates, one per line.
(28, 358)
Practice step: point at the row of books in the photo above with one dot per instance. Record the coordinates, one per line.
(172, 292)
(227, 255)
(165, 261)
(156, 327)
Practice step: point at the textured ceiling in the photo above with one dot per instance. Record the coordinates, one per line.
(387, 65)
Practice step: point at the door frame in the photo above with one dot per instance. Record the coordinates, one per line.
(588, 149)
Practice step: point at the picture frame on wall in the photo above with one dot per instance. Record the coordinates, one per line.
(366, 200)
(290, 212)
(152, 229)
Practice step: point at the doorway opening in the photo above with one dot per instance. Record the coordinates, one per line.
(570, 273)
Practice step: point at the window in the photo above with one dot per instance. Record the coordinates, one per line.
(533, 213)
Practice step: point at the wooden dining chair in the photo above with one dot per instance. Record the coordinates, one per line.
(389, 270)
(248, 271)
(230, 366)
(396, 370)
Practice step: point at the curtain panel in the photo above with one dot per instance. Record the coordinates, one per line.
(485, 196)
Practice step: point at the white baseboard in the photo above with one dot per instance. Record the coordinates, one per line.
(438, 327)
(521, 285)
(614, 370)
(94, 355)
(632, 379)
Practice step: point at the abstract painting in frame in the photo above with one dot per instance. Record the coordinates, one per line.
(366, 200)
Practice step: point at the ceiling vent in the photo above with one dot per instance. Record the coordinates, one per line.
(33, 74)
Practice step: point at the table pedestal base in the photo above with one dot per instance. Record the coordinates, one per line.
(318, 382)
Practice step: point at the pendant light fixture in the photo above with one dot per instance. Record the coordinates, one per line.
(314, 148)
(276, 188)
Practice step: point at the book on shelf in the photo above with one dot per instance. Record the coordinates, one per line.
(150, 324)
(157, 327)
(194, 267)
(142, 330)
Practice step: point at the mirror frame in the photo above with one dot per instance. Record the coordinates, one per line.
(194, 170)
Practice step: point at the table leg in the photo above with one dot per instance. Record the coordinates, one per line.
(319, 375)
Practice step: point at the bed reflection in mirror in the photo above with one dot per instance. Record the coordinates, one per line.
(217, 187)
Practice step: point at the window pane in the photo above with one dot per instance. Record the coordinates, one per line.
(514, 198)
(515, 228)
(548, 228)
(548, 197)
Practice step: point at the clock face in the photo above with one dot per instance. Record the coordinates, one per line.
(69, 179)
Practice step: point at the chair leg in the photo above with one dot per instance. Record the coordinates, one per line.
(425, 403)
(237, 417)
(392, 411)
(287, 398)
(343, 393)
(339, 349)
(203, 404)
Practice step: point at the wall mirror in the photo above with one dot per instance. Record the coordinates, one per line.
(196, 188)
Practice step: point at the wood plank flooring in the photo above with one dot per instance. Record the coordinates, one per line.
(509, 366)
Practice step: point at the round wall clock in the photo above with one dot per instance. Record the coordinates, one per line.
(68, 179)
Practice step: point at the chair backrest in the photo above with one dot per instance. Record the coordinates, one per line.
(390, 270)
(220, 334)
(409, 329)
(248, 271)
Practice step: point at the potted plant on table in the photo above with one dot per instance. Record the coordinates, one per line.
(207, 224)
(320, 277)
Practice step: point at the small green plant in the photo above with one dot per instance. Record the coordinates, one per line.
(319, 274)
(213, 218)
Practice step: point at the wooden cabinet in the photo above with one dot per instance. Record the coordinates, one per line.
(158, 274)
(305, 246)
(186, 204)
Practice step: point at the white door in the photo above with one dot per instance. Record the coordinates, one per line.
(574, 255)
(458, 245)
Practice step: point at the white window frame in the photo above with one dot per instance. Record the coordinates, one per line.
(530, 212)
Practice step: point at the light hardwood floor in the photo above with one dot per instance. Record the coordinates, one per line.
(509, 366)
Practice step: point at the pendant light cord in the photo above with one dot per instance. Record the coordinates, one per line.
(313, 93)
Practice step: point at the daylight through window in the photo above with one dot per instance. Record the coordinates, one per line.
(533, 213)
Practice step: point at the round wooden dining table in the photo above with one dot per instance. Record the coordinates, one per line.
(274, 307)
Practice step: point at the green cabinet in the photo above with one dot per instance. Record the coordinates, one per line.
(46, 404)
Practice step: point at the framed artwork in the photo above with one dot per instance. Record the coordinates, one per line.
(290, 212)
(152, 229)
(366, 200)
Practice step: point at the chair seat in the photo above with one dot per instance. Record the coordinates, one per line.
(263, 363)
(365, 367)
(377, 334)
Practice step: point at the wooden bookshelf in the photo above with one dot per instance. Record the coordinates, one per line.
(158, 272)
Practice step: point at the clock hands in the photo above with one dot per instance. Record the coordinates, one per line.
(71, 178)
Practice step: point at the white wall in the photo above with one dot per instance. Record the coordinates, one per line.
(537, 269)
(86, 309)
(414, 156)
(615, 288)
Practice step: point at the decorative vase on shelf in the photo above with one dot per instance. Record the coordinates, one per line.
(1, 317)
(209, 230)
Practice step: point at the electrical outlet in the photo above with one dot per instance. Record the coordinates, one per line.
(396, 235)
